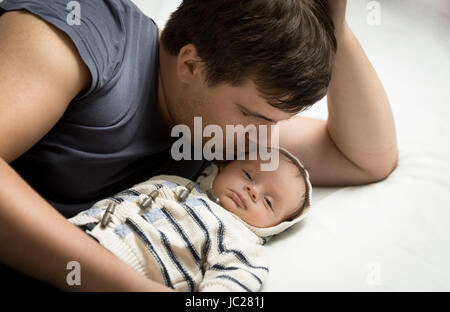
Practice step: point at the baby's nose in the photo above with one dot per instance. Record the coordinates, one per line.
(252, 192)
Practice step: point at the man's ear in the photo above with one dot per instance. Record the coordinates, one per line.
(189, 64)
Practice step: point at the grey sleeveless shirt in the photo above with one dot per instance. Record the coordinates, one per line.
(112, 135)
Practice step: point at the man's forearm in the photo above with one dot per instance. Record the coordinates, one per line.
(360, 119)
(37, 240)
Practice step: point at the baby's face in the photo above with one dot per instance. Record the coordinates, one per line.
(260, 198)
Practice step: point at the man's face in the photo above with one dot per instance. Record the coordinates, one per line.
(260, 198)
(223, 105)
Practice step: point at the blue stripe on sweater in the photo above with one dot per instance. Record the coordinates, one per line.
(206, 246)
(116, 199)
(152, 215)
(183, 235)
(94, 211)
(198, 189)
(174, 259)
(122, 230)
(221, 245)
(128, 195)
(149, 245)
(171, 254)
(235, 281)
(220, 267)
(129, 192)
(170, 185)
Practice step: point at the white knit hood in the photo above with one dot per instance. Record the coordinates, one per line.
(206, 179)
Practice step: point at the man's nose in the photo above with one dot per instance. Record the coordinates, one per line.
(252, 192)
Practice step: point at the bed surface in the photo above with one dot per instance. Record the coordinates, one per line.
(393, 235)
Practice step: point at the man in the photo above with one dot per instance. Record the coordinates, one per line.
(86, 112)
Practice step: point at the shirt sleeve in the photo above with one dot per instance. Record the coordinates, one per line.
(94, 27)
(236, 270)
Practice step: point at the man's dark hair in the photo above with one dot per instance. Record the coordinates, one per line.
(286, 47)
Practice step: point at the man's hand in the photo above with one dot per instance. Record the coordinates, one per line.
(357, 144)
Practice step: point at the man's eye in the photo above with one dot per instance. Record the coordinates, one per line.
(248, 175)
(268, 202)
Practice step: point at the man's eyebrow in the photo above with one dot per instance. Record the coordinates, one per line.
(254, 113)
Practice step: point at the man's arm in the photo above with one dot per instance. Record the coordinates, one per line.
(37, 240)
(357, 145)
(40, 72)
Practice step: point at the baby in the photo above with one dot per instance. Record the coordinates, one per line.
(208, 236)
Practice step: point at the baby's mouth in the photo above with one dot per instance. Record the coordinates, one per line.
(237, 198)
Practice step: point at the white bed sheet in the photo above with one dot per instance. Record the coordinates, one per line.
(393, 235)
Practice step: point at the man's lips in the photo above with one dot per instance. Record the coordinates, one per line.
(238, 200)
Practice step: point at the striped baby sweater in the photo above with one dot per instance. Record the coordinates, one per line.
(195, 245)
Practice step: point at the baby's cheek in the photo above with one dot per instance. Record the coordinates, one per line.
(262, 218)
(221, 183)
(216, 185)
